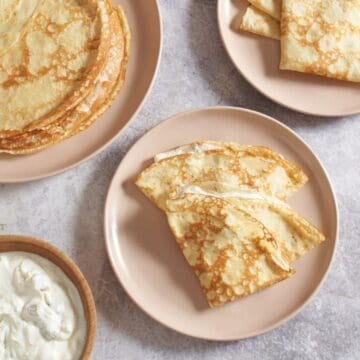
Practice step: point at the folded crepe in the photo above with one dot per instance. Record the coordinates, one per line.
(231, 253)
(270, 7)
(258, 22)
(321, 37)
(294, 235)
(240, 166)
(224, 205)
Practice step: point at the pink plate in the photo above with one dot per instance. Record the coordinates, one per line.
(151, 267)
(145, 25)
(258, 58)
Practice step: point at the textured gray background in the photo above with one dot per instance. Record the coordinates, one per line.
(68, 209)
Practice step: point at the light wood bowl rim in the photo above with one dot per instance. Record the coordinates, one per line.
(56, 256)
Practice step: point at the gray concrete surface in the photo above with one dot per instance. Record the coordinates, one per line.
(68, 209)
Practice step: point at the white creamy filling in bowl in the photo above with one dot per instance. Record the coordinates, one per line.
(41, 312)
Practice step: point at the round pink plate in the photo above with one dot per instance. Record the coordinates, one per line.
(150, 265)
(258, 58)
(146, 39)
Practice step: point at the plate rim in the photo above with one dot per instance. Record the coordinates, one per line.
(268, 95)
(118, 133)
(275, 325)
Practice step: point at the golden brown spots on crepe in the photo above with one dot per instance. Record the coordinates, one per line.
(93, 75)
(226, 258)
(321, 37)
(231, 164)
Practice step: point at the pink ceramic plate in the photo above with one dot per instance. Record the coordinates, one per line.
(145, 25)
(257, 58)
(151, 267)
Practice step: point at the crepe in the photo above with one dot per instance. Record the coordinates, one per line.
(240, 166)
(53, 65)
(13, 19)
(260, 23)
(232, 254)
(270, 7)
(106, 85)
(294, 235)
(224, 204)
(111, 79)
(321, 37)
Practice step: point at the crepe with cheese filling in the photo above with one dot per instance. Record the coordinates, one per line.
(239, 166)
(294, 235)
(232, 254)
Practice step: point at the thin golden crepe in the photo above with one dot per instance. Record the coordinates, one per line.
(239, 166)
(260, 23)
(223, 204)
(106, 87)
(232, 254)
(54, 63)
(111, 79)
(321, 37)
(13, 19)
(294, 235)
(278, 176)
(270, 7)
(103, 88)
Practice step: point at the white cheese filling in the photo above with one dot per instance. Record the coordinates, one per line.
(186, 149)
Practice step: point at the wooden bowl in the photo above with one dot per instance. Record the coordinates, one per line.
(50, 252)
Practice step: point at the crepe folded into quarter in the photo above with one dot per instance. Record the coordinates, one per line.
(225, 205)
(59, 71)
(232, 254)
(294, 235)
(321, 37)
(269, 7)
(239, 166)
(258, 22)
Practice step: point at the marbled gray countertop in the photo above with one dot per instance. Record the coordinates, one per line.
(68, 209)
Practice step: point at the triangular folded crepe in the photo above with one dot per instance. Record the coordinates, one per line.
(239, 166)
(232, 254)
(269, 7)
(294, 235)
(259, 23)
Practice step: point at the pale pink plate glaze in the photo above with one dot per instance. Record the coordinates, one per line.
(146, 39)
(258, 58)
(151, 267)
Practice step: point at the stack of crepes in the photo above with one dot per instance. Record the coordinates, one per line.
(317, 36)
(61, 64)
(225, 204)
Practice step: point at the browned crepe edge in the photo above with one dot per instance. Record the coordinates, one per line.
(58, 131)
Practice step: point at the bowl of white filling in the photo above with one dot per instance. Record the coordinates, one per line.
(47, 310)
